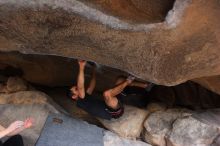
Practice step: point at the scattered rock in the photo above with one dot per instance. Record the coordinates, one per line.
(24, 97)
(159, 124)
(39, 112)
(129, 125)
(188, 131)
(15, 84)
(111, 139)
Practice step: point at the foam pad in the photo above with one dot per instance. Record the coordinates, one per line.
(62, 130)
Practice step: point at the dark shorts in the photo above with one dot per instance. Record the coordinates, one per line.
(116, 113)
(98, 108)
(134, 96)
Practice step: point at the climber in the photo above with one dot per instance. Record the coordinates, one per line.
(13, 130)
(112, 106)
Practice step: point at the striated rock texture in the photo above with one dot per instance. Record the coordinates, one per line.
(137, 36)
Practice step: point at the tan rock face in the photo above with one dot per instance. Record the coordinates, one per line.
(153, 107)
(38, 69)
(24, 97)
(212, 83)
(182, 47)
(15, 84)
(129, 125)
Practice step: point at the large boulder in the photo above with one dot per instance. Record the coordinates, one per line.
(159, 124)
(111, 139)
(121, 34)
(188, 131)
(129, 125)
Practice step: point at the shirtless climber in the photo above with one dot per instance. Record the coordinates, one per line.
(112, 106)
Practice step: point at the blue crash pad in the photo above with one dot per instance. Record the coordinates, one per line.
(62, 130)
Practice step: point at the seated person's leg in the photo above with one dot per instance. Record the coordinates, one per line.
(15, 140)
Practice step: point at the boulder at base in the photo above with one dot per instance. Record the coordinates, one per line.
(159, 124)
(111, 139)
(188, 131)
(129, 125)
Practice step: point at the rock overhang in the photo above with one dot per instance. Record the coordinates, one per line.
(168, 53)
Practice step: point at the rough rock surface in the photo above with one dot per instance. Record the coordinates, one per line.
(38, 69)
(212, 83)
(129, 125)
(183, 46)
(51, 70)
(15, 84)
(159, 124)
(111, 139)
(24, 97)
(190, 132)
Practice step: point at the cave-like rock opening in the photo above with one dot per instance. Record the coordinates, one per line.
(61, 72)
(55, 75)
(171, 43)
